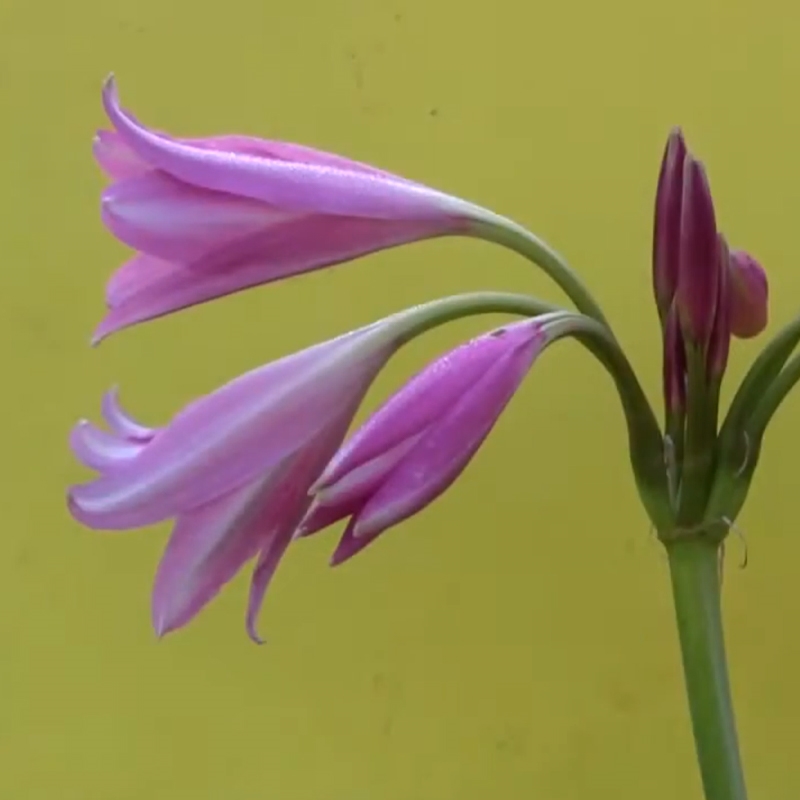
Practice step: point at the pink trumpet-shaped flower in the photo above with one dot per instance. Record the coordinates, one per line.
(212, 216)
(749, 294)
(414, 447)
(233, 468)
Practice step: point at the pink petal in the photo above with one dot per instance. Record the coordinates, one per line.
(134, 277)
(347, 496)
(425, 398)
(262, 577)
(287, 151)
(119, 161)
(318, 517)
(317, 188)
(207, 548)
(350, 544)
(444, 451)
(120, 422)
(146, 288)
(698, 280)
(100, 450)
(288, 504)
(168, 219)
(115, 158)
(667, 227)
(240, 431)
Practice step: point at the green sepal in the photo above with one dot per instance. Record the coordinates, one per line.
(758, 397)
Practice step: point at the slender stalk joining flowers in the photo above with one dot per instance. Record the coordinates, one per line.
(264, 460)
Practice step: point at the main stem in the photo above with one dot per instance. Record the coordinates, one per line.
(694, 567)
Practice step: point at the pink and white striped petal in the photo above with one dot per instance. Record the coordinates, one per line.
(115, 158)
(168, 219)
(100, 450)
(208, 546)
(237, 433)
(288, 504)
(120, 422)
(146, 288)
(317, 187)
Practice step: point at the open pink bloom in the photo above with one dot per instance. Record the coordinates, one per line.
(216, 215)
(414, 447)
(233, 468)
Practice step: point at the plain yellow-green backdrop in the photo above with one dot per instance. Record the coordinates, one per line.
(516, 639)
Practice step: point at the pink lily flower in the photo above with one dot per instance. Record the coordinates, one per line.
(216, 215)
(233, 468)
(413, 448)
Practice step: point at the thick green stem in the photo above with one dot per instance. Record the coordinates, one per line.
(694, 567)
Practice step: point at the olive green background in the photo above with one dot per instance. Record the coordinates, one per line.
(516, 639)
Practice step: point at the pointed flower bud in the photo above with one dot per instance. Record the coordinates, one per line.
(413, 448)
(666, 230)
(748, 295)
(699, 263)
(720, 343)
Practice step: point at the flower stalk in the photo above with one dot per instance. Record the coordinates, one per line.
(695, 574)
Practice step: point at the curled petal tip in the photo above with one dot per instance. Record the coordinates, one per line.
(162, 628)
(676, 132)
(252, 633)
(110, 86)
(300, 532)
(101, 332)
